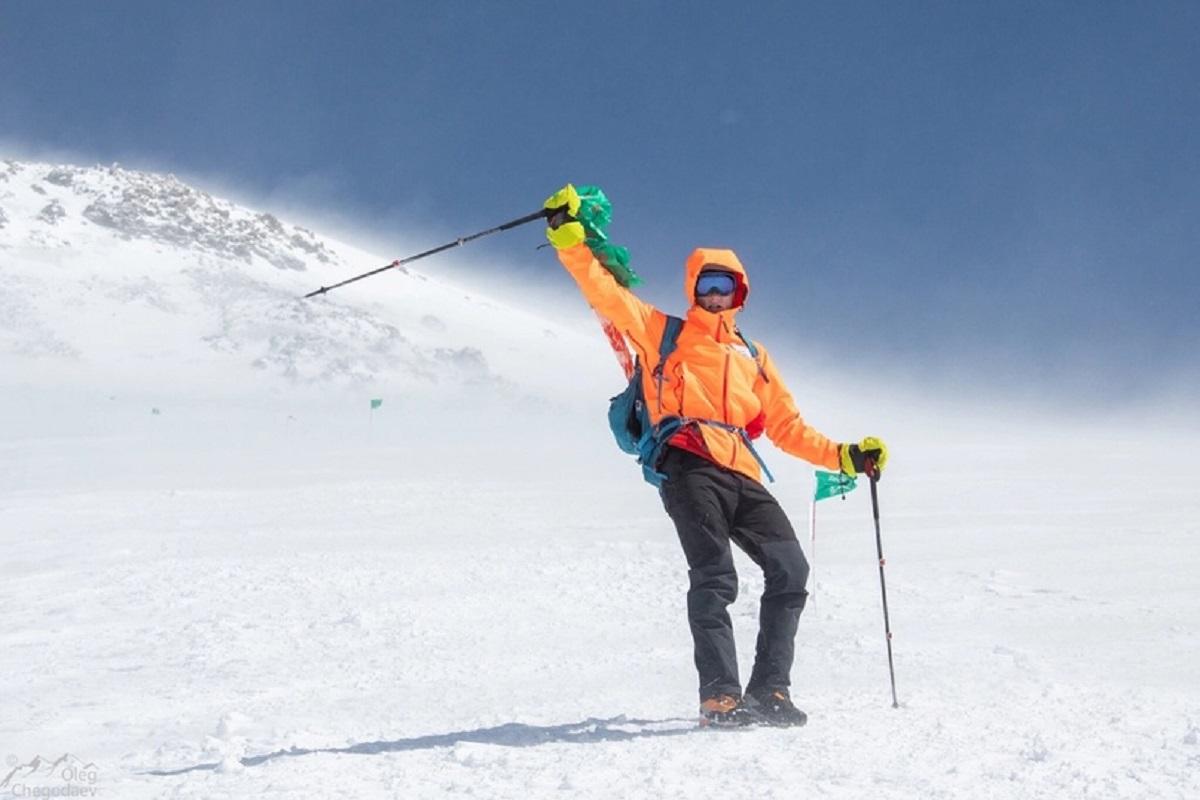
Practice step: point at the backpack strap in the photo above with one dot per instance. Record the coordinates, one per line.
(753, 354)
(670, 337)
(656, 441)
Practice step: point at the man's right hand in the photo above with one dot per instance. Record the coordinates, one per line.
(561, 207)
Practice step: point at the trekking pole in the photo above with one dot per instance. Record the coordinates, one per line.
(812, 547)
(542, 214)
(873, 474)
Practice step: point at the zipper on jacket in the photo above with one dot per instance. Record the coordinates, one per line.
(725, 392)
(681, 390)
(642, 358)
(725, 408)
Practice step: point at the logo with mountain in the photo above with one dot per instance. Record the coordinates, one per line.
(67, 767)
(741, 350)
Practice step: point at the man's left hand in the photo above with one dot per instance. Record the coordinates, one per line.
(868, 456)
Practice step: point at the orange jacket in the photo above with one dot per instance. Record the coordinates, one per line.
(711, 375)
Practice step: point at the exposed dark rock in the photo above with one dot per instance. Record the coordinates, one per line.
(161, 208)
(60, 177)
(52, 213)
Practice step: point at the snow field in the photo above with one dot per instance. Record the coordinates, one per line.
(507, 634)
(221, 576)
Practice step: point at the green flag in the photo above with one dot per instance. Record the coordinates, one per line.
(832, 484)
(376, 403)
(595, 213)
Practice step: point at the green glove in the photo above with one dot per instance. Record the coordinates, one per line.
(854, 457)
(565, 230)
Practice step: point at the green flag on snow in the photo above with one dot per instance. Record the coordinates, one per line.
(833, 484)
(376, 403)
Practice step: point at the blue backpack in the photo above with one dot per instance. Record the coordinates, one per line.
(630, 422)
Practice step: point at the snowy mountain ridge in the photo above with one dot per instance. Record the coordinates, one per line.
(113, 275)
(161, 208)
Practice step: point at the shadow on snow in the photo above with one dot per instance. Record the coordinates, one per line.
(511, 734)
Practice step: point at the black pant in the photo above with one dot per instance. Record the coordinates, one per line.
(711, 506)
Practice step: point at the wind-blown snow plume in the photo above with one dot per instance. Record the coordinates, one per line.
(127, 275)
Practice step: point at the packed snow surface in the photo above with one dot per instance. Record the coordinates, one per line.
(224, 575)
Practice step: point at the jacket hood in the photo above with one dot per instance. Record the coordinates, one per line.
(709, 257)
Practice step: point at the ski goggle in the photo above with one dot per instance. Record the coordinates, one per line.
(715, 283)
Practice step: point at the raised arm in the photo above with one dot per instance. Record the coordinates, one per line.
(614, 302)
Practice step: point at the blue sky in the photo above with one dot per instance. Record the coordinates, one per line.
(997, 192)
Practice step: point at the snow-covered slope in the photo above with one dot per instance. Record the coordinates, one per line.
(258, 589)
(125, 279)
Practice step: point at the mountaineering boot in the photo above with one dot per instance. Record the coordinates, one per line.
(725, 711)
(775, 707)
